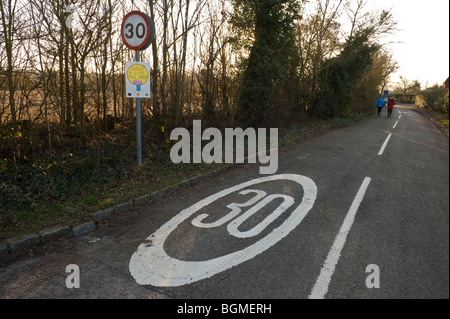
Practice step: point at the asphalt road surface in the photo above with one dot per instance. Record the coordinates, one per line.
(356, 213)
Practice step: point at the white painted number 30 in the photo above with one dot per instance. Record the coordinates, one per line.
(151, 265)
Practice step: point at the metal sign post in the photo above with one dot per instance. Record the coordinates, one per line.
(138, 32)
(139, 121)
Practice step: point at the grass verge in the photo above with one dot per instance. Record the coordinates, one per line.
(66, 188)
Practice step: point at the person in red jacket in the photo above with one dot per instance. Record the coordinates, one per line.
(391, 104)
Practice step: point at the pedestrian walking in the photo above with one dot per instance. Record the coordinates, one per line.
(380, 105)
(391, 104)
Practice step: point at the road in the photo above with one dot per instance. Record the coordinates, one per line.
(356, 213)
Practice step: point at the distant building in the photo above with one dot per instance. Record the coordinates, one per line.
(446, 85)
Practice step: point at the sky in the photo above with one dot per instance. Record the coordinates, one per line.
(422, 51)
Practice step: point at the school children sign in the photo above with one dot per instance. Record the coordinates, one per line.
(137, 79)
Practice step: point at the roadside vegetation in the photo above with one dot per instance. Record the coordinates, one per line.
(68, 186)
(435, 101)
(67, 130)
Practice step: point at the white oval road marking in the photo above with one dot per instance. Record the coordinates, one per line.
(150, 264)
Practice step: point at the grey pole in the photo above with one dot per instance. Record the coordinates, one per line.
(139, 121)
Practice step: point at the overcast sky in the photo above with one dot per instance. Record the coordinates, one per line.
(423, 51)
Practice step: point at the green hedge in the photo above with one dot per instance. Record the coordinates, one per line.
(435, 99)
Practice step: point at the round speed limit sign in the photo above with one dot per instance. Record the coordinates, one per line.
(138, 30)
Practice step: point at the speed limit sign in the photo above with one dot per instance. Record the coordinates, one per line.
(138, 30)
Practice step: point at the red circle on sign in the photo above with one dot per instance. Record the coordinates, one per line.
(148, 31)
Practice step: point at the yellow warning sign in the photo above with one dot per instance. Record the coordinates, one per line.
(138, 74)
(138, 80)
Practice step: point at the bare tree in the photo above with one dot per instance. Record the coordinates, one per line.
(405, 84)
(87, 35)
(12, 25)
(212, 52)
(389, 66)
(317, 40)
(377, 24)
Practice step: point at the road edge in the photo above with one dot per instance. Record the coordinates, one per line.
(11, 248)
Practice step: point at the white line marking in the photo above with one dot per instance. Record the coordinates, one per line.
(395, 125)
(400, 116)
(323, 281)
(385, 145)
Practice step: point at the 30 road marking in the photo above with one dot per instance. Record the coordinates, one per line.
(323, 281)
(151, 265)
(383, 148)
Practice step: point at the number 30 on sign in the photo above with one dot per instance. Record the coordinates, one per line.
(138, 30)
